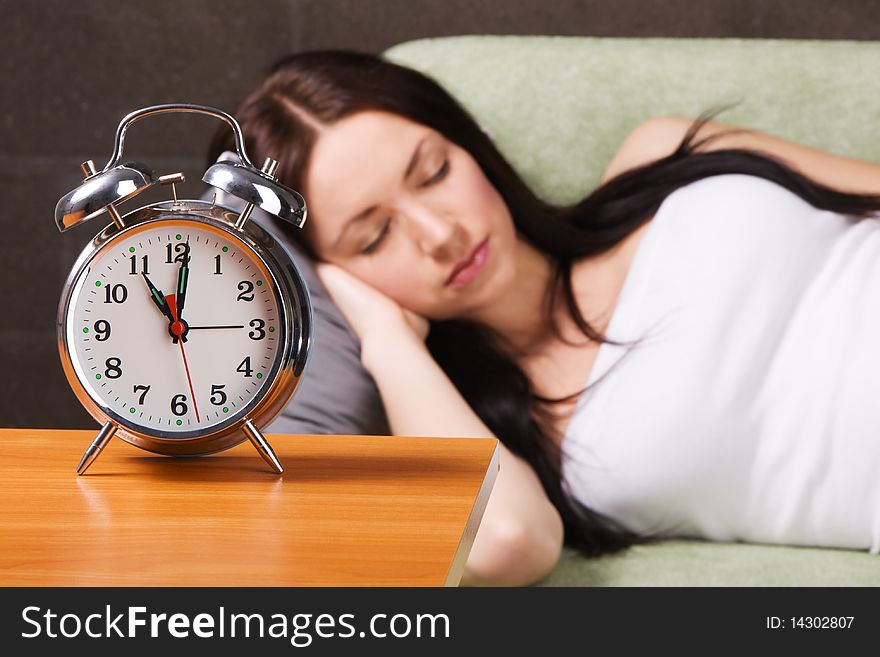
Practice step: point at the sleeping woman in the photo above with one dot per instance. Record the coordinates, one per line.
(691, 350)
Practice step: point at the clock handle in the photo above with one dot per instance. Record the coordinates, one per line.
(117, 182)
(262, 445)
(98, 444)
(258, 187)
(137, 115)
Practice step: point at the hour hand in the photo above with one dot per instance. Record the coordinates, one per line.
(159, 299)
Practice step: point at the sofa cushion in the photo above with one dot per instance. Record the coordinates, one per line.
(701, 563)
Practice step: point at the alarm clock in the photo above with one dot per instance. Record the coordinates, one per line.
(183, 327)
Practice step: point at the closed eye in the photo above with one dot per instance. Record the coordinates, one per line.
(377, 242)
(437, 177)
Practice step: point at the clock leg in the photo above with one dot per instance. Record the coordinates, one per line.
(100, 441)
(262, 446)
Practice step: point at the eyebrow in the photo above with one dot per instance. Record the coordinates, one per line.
(363, 214)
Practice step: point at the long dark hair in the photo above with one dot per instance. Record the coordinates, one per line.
(305, 91)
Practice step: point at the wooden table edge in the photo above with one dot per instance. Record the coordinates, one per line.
(456, 568)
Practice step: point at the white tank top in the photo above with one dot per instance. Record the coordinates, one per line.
(751, 409)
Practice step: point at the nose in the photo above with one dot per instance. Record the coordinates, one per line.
(436, 234)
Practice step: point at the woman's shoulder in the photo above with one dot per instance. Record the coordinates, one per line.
(721, 213)
(649, 141)
(736, 197)
(733, 190)
(735, 218)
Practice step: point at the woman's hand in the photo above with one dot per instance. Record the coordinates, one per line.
(373, 316)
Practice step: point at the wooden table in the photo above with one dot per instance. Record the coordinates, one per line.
(348, 511)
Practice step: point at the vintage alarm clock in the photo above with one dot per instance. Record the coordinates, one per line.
(183, 328)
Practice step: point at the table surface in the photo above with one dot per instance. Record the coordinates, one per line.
(348, 511)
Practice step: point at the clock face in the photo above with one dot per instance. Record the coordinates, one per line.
(174, 328)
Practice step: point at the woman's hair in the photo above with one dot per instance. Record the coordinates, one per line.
(306, 91)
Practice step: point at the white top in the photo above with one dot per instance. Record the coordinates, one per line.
(751, 409)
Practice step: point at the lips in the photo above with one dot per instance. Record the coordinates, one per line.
(470, 266)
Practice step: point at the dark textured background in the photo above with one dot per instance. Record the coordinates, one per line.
(70, 71)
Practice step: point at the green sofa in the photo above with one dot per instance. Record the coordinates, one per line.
(559, 107)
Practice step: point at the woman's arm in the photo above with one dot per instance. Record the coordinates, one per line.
(658, 137)
(520, 537)
(521, 533)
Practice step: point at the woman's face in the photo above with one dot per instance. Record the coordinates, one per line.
(412, 214)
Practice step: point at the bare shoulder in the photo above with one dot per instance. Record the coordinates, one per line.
(650, 140)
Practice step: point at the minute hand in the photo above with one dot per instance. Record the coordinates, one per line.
(182, 281)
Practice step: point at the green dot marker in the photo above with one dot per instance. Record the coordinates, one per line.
(259, 282)
(259, 376)
(131, 410)
(86, 329)
(225, 409)
(97, 283)
(131, 249)
(97, 376)
(225, 249)
(178, 237)
(179, 422)
(271, 329)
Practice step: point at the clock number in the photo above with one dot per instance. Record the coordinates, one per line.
(115, 294)
(217, 271)
(178, 405)
(114, 368)
(102, 330)
(182, 250)
(259, 332)
(218, 397)
(143, 396)
(245, 367)
(247, 291)
(145, 267)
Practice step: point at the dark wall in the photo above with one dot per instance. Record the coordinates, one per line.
(70, 71)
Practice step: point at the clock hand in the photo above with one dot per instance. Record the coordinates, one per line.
(158, 298)
(178, 328)
(182, 281)
(236, 326)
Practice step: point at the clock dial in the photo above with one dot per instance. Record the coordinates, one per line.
(174, 327)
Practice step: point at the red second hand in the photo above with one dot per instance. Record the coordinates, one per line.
(177, 329)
